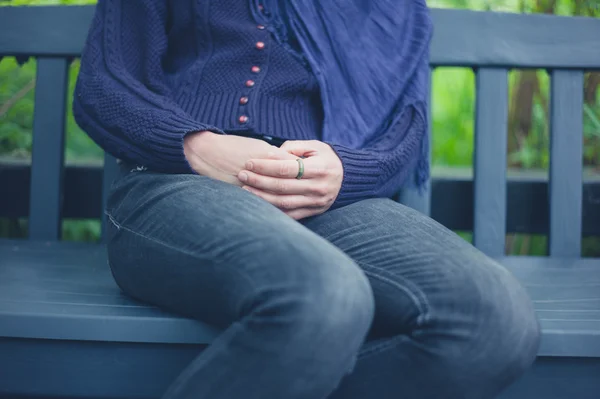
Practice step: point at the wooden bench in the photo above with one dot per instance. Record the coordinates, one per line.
(67, 332)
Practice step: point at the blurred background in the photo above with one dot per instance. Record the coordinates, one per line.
(453, 119)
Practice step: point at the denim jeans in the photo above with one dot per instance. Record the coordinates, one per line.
(369, 301)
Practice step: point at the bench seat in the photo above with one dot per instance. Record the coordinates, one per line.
(65, 291)
(65, 324)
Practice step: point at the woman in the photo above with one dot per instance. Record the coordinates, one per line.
(259, 144)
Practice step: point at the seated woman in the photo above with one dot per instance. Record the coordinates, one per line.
(260, 144)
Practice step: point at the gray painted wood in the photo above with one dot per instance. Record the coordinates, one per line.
(527, 205)
(46, 30)
(421, 201)
(110, 173)
(72, 293)
(566, 298)
(90, 370)
(461, 37)
(470, 38)
(48, 148)
(66, 291)
(93, 370)
(489, 230)
(451, 197)
(566, 162)
(557, 378)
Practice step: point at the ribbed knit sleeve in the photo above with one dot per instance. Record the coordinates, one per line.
(121, 99)
(381, 168)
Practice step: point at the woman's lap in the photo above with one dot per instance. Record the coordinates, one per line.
(207, 250)
(209, 225)
(181, 241)
(214, 252)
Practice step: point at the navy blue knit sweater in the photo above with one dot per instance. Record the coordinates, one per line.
(153, 71)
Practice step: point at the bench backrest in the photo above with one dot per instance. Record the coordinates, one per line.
(490, 43)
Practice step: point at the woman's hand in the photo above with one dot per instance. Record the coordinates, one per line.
(222, 157)
(275, 181)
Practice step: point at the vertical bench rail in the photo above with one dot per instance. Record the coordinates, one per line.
(111, 169)
(412, 198)
(48, 148)
(566, 163)
(489, 165)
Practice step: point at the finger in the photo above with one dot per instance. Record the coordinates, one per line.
(303, 213)
(284, 202)
(279, 154)
(301, 148)
(313, 167)
(282, 186)
(268, 167)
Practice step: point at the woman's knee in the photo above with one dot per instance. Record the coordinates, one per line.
(494, 324)
(513, 329)
(319, 294)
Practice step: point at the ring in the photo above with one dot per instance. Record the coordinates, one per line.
(300, 168)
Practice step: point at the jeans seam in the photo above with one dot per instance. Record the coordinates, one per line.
(415, 294)
(120, 226)
(385, 345)
(192, 254)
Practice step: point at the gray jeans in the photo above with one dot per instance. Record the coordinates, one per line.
(373, 300)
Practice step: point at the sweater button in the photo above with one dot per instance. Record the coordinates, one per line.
(249, 83)
(256, 69)
(244, 100)
(243, 119)
(260, 45)
(261, 27)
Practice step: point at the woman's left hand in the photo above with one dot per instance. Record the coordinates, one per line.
(275, 180)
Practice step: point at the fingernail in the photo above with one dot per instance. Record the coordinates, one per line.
(249, 165)
(243, 176)
(246, 188)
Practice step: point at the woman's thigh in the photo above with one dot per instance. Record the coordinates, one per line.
(428, 282)
(449, 321)
(209, 250)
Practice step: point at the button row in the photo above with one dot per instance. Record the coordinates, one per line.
(250, 83)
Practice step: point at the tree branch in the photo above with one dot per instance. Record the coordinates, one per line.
(18, 95)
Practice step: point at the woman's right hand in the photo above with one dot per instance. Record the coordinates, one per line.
(222, 157)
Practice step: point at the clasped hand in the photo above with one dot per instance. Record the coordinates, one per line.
(274, 179)
(270, 172)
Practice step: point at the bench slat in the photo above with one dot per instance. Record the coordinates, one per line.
(48, 148)
(473, 38)
(110, 172)
(451, 197)
(461, 37)
(566, 163)
(489, 230)
(66, 291)
(412, 198)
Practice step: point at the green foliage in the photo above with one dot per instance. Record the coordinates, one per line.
(16, 106)
(453, 107)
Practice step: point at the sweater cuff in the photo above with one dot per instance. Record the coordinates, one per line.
(362, 173)
(167, 140)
